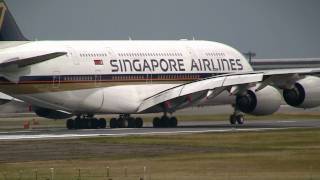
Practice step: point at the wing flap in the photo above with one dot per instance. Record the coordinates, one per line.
(242, 79)
(161, 97)
(202, 86)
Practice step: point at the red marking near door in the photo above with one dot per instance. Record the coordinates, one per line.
(98, 62)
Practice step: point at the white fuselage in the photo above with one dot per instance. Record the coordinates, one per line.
(114, 76)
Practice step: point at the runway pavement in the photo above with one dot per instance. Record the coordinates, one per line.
(184, 127)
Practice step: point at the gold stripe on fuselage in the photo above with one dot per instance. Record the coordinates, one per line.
(31, 88)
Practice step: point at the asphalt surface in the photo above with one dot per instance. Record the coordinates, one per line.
(184, 127)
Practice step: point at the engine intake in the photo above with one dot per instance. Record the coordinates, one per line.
(247, 103)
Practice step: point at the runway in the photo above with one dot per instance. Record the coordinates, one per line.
(184, 127)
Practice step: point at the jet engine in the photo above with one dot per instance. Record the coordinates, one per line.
(51, 114)
(304, 94)
(263, 102)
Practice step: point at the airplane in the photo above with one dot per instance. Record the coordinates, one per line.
(65, 79)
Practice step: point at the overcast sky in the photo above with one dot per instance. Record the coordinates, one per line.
(271, 28)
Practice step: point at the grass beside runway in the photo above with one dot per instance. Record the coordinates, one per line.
(278, 154)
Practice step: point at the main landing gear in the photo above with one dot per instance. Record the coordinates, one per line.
(86, 122)
(165, 122)
(126, 121)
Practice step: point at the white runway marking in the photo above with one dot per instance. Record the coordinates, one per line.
(64, 136)
(3, 132)
(286, 121)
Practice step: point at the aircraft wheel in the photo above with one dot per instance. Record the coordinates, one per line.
(233, 119)
(240, 119)
(102, 123)
(113, 123)
(164, 122)
(122, 123)
(173, 122)
(88, 123)
(138, 122)
(156, 122)
(77, 123)
(83, 123)
(95, 123)
(70, 124)
(131, 122)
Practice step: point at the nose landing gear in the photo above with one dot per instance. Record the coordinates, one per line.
(237, 117)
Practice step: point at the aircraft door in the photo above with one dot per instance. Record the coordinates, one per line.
(97, 81)
(73, 56)
(56, 79)
(149, 78)
(110, 55)
(110, 52)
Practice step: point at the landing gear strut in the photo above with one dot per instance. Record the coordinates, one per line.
(86, 122)
(165, 122)
(126, 121)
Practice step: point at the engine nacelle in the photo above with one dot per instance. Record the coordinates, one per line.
(264, 102)
(304, 94)
(51, 114)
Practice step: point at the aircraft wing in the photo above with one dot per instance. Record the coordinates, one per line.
(189, 93)
(27, 59)
(6, 98)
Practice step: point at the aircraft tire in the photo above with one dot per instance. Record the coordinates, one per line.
(233, 119)
(123, 123)
(84, 123)
(138, 122)
(164, 122)
(131, 122)
(156, 122)
(87, 124)
(240, 119)
(102, 123)
(77, 123)
(173, 122)
(113, 123)
(95, 123)
(70, 124)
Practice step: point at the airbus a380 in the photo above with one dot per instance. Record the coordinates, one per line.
(64, 79)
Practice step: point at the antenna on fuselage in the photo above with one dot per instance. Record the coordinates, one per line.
(250, 55)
